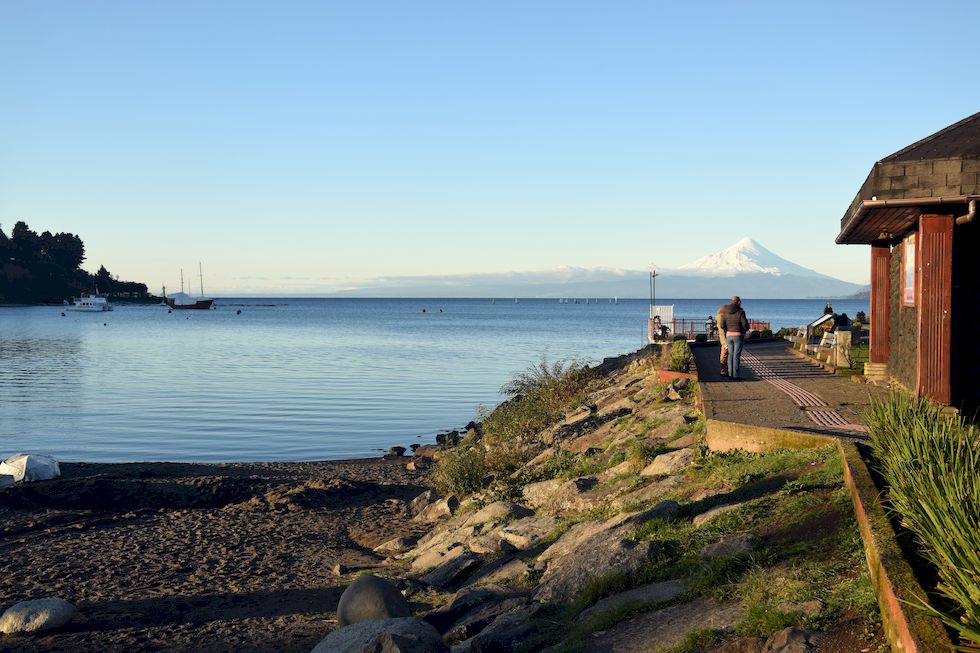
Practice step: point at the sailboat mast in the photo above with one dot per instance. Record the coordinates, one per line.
(200, 271)
(181, 279)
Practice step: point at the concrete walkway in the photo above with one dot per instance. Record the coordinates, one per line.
(782, 391)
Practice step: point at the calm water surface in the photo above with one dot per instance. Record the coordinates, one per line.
(293, 379)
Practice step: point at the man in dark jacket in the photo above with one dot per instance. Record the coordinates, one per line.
(733, 323)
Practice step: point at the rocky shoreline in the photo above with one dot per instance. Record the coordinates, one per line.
(617, 532)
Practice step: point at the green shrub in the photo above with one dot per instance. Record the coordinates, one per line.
(460, 470)
(540, 396)
(786, 331)
(680, 356)
(767, 333)
(931, 463)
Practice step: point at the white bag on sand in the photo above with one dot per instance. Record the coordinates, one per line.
(30, 467)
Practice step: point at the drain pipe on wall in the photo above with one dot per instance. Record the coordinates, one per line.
(971, 213)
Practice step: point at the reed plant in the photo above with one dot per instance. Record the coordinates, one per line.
(930, 461)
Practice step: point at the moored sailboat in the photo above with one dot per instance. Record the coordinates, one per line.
(182, 300)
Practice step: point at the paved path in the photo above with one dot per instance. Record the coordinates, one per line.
(783, 391)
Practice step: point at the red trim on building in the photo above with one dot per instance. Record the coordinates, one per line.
(880, 287)
(935, 284)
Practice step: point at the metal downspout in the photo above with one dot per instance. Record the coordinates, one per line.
(971, 213)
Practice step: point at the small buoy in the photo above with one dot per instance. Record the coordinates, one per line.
(62, 313)
(238, 312)
(423, 310)
(104, 324)
(169, 311)
(440, 310)
(187, 318)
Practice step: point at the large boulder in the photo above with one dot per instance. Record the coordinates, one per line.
(537, 494)
(464, 601)
(430, 558)
(30, 467)
(667, 627)
(506, 633)
(589, 551)
(508, 569)
(441, 509)
(368, 598)
(419, 503)
(452, 572)
(35, 616)
(495, 512)
(401, 635)
(653, 593)
(669, 463)
(528, 532)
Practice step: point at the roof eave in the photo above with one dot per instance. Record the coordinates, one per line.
(865, 207)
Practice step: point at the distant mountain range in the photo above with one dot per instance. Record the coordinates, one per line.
(746, 268)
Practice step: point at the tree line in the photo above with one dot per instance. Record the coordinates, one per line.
(46, 268)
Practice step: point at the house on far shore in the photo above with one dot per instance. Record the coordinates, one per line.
(917, 210)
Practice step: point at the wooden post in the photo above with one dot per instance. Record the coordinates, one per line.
(935, 300)
(880, 282)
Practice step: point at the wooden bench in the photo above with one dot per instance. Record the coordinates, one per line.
(828, 339)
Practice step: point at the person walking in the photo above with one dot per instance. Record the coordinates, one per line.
(723, 358)
(733, 323)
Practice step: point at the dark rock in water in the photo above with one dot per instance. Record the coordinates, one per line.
(426, 451)
(471, 426)
(449, 439)
(368, 598)
(396, 452)
(414, 446)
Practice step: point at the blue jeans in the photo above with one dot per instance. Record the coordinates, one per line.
(734, 354)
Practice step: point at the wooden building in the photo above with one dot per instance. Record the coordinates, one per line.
(917, 211)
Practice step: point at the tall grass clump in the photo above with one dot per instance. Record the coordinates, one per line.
(931, 463)
(538, 397)
(680, 356)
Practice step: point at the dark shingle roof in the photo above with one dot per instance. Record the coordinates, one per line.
(959, 140)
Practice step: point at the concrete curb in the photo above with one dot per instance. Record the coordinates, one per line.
(726, 436)
(908, 629)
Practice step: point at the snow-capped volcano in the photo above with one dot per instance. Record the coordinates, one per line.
(746, 268)
(745, 257)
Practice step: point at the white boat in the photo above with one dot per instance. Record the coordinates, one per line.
(89, 304)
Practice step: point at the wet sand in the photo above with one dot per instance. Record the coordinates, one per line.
(168, 556)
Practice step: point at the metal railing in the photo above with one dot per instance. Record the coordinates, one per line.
(691, 328)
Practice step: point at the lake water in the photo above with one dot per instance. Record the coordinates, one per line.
(294, 379)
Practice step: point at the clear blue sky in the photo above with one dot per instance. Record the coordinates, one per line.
(303, 146)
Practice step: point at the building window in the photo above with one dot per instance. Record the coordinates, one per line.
(908, 272)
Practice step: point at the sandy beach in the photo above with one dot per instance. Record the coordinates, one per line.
(167, 556)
